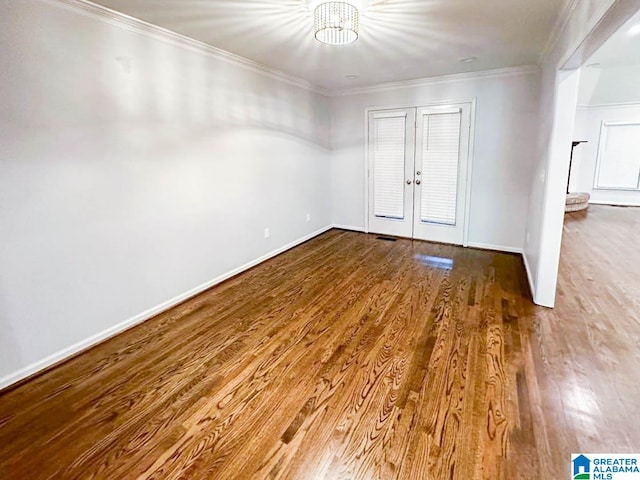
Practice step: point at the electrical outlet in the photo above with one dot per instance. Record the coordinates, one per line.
(308, 217)
(267, 233)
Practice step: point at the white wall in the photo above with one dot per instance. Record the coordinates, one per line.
(134, 169)
(558, 101)
(610, 85)
(588, 125)
(549, 191)
(503, 155)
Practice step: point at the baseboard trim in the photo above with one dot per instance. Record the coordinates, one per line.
(349, 227)
(37, 368)
(532, 287)
(495, 248)
(614, 204)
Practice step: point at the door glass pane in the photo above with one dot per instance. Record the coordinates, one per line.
(440, 159)
(388, 166)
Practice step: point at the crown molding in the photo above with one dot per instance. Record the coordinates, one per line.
(141, 27)
(457, 77)
(604, 106)
(566, 12)
(138, 26)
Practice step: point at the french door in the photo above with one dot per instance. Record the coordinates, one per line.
(418, 159)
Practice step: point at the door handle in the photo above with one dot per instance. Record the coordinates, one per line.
(418, 182)
(408, 182)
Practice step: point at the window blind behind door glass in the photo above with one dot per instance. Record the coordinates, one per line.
(440, 158)
(388, 166)
(620, 157)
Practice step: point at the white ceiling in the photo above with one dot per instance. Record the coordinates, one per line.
(622, 48)
(399, 39)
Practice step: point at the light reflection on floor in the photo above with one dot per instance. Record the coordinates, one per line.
(435, 262)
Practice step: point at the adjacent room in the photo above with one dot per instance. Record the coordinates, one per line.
(311, 239)
(595, 323)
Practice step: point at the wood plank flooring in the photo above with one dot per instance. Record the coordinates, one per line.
(586, 354)
(348, 357)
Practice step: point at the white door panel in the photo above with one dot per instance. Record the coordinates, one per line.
(442, 152)
(418, 162)
(391, 160)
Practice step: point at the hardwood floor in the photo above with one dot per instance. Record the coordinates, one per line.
(351, 357)
(588, 348)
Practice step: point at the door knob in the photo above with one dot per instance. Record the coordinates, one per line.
(408, 182)
(418, 173)
(418, 182)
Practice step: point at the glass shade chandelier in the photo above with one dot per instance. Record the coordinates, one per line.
(336, 23)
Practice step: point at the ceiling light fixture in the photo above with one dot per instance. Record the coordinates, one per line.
(468, 59)
(336, 23)
(351, 76)
(635, 30)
